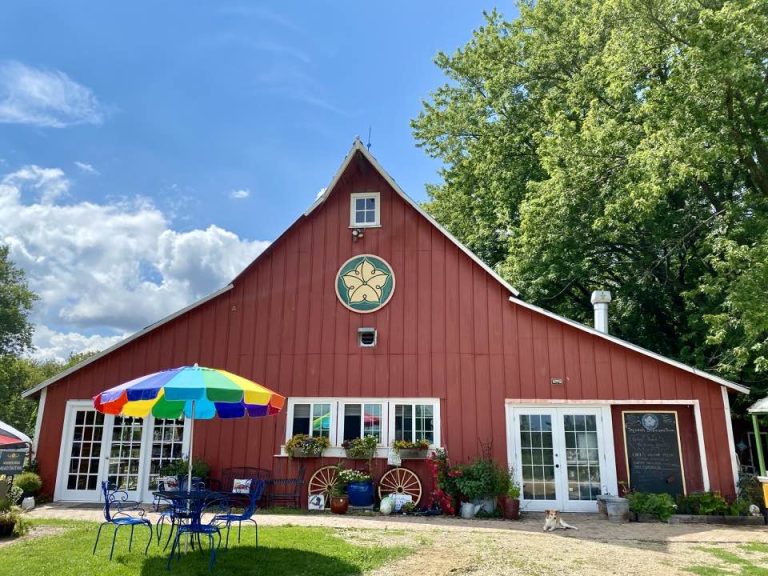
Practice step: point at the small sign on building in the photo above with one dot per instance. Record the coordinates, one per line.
(12, 461)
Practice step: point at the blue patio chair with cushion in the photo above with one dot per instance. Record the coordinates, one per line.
(193, 506)
(116, 512)
(254, 495)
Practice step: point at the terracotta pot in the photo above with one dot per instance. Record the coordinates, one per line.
(510, 508)
(339, 504)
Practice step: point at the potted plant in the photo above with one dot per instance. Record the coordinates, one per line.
(339, 498)
(361, 448)
(179, 468)
(510, 502)
(29, 482)
(11, 517)
(411, 450)
(358, 484)
(306, 446)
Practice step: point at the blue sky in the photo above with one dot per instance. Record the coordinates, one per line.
(208, 125)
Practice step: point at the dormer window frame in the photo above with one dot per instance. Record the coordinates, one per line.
(353, 198)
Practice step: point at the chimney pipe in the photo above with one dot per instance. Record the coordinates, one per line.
(600, 299)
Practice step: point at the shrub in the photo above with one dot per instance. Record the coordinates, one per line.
(481, 479)
(662, 506)
(704, 504)
(29, 482)
(180, 467)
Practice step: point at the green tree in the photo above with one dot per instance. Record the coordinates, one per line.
(16, 300)
(622, 145)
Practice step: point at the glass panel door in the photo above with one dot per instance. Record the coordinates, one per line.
(82, 454)
(558, 456)
(125, 458)
(537, 456)
(582, 456)
(166, 444)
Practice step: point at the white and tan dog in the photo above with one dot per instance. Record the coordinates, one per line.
(552, 522)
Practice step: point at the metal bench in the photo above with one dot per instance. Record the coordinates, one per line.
(286, 488)
(229, 475)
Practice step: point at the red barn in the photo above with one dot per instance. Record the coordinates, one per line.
(372, 319)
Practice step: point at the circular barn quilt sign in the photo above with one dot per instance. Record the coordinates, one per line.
(365, 283)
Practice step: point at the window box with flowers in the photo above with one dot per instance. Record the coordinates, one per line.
(411, 450)
(305, 446)
(361, 448)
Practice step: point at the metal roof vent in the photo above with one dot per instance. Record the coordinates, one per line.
(366, 337)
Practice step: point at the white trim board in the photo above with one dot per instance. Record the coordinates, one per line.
(39, 420)
(731, 443)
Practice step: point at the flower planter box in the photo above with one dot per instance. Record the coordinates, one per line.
(299, 453)
(412, 454)
(358, 457)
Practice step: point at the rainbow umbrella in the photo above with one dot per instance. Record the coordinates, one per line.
(192, 391)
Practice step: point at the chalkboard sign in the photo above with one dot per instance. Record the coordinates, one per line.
(12, 461)
(652, 448)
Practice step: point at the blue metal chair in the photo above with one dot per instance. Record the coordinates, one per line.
(257, 489)
(116, 508)
(191, 507)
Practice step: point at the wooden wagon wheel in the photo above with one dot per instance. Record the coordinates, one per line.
(322, 482)
(400, 481)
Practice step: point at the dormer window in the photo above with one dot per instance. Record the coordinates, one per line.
(364, 210)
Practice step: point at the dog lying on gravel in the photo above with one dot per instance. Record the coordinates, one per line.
(552, 521)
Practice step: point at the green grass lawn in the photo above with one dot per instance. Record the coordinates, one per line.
(285, 550)
(753, 563)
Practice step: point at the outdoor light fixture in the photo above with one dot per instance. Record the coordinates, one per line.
(357, 233)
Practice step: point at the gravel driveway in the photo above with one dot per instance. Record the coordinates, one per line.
(495, 547)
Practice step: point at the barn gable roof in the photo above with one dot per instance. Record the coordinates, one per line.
(358, 147)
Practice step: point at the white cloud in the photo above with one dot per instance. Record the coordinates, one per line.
(107, 269)
(86, 168)
(51, 182)
(53, 345)
(47, 98)
(240, 194)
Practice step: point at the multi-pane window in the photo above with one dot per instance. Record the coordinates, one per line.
(313, 419)
(85, 454)
(340, 419)
(363, 420)
(414, 422)
(364, 209)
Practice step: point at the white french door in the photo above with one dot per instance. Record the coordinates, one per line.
(559, 456)
(126, 452)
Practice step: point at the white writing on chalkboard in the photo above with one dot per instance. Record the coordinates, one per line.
(653, 452)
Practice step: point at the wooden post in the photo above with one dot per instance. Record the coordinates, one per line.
(760, 456)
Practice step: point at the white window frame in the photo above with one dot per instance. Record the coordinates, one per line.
(337, 421)
(353, 223)
(312, 401)
(362, 402)
(435, 404)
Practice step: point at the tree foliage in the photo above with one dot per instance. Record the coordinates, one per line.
(619, 145)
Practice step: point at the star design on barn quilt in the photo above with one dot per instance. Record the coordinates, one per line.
(364, 283)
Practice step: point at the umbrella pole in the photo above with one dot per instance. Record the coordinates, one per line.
(191, 444)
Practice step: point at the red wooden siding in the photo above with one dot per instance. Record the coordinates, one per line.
(448, 332)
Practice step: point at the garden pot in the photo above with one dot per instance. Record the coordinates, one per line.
(412, 454)
(6, 529)
(360, 493)
(28, 503)
(468, 510)
(510, 508)
(339, 504)
(617, 509)
(487, 505)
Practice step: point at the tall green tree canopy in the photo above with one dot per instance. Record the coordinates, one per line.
(618, 145)
(16, 301)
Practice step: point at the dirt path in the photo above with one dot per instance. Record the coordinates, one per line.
(493, 547)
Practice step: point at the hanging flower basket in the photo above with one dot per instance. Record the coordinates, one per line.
(361, 448)
(304, 446)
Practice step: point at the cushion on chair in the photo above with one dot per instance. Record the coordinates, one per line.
(241, 485)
